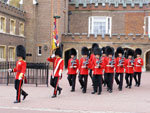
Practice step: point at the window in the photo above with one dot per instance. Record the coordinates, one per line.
(40, 51)
(2, 24)
(21, 29)
(11, 53)
(100, 25)
(2, 53)
(12, 26)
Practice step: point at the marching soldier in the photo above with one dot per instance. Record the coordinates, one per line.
(109, 68)
(73, 65)
(83, 68)
(138, 63)
(58, 65)
(92, 56)
(129, 64)
(119, 67)
(20, 70)
(104, 56)
(97, 71)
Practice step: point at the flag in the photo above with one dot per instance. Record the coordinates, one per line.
(55, 41)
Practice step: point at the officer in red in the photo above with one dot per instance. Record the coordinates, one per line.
(73, 65)
(58, 65)
(20, 70)
(129, 64)
(92, 56)
(83, 68)
(104, 56)
(138, 63)
(109, 68)
(119, 65)
(97, 71)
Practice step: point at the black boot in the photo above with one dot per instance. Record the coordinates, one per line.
(59, 91)
(54, 96)
(25, 96)
(127, 86)
(16, 101)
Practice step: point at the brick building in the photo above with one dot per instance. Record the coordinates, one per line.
(12, 22)
(116, 23)
(109, 22)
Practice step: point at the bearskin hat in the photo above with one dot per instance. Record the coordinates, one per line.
(109, 50)
(85, 51)
(130, 52)
(103, 50)
(94, 45)
(73, 52)
(120, 50)
(21, 51)
(58, 52)
(98, 51)
(138, 51)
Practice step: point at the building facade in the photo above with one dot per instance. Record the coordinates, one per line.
(109, 22)
(12, 24)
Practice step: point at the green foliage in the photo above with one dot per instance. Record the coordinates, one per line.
(14, 3)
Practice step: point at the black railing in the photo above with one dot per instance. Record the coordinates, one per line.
(36, 73)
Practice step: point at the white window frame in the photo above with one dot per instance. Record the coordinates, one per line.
(91, 22)
(20, 28)
(1, 30)
(39, 50)
(3, 59)
(14, 26)
(13, 53)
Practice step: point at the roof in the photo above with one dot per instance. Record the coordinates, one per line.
(124, 3)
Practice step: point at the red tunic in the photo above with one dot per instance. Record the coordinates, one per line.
(92, 57)
(128, 66)
(60, 67)
(72, 69)
(103, 60)
(82, 67)
(108, 69)
(138, 63)
(119, 69)
(96, 69)
(20, 68)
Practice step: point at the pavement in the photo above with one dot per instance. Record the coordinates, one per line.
(134, 100)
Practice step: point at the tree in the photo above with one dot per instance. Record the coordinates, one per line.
(15, 3)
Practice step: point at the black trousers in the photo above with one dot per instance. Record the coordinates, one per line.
(137, 81)
(54, 83)
(72, 81)
(19, 91)
(91, 76)
(83, 81)
(105, 81)
(109, 80)
(119, 82)
(128, 78)
(97, 82)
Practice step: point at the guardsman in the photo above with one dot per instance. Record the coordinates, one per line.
(138, 63)
(92, 56)
(129, 64)
(73, 65)
(104, 56)
(83, 69)
(109, 68)
(58, 65)
(119, 65)
(98, 66)
(20, 70)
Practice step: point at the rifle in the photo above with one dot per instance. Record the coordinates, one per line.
(73, 61)
(112, 61)
(122, 60)
(132, 61)
(99, 61)
(86, 61)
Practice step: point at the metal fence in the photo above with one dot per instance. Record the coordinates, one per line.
(36, 73)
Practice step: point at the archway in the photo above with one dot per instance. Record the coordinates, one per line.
(148, 61)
